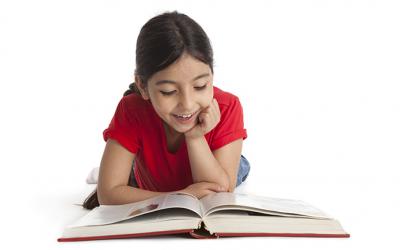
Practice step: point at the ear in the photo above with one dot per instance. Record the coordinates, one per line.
(142, 88)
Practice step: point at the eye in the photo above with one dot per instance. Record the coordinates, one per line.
(201, 87)
(168, 93)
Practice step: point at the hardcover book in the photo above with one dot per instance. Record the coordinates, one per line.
(215, 215)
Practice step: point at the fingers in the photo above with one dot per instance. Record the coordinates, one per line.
(215, 187)
(216, 106)
(210, 116)
(205, 194)
(216, 113)
(213, 108)
(201, 189)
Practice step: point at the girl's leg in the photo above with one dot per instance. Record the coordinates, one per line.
(244, 169)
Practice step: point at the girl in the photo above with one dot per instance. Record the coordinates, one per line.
(172, 130)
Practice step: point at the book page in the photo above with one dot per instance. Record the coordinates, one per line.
(108, 214)
(237, 201)
(181, 200)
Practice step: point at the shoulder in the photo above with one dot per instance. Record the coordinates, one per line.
(133, 101)
(134, 106)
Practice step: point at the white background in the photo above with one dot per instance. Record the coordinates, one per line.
(318, 81)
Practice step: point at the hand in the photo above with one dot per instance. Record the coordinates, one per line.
(207, 120)
(201, 189)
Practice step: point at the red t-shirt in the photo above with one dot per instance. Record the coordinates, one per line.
(138, 128)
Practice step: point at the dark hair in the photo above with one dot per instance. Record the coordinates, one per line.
(161, 41)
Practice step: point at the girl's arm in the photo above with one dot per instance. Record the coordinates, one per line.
(220, 166)
(115, 168)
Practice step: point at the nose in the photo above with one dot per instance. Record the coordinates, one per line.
(186, 102)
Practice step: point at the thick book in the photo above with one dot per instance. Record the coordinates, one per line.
(215, 215)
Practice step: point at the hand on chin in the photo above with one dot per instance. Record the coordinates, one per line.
(205, 121)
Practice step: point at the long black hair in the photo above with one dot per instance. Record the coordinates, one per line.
(161, 41)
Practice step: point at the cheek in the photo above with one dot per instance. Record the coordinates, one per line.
(161, 105)
(163, 108)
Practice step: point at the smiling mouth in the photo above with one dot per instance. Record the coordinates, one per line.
(185, 117)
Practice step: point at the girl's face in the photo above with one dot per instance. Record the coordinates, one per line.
(180, 92)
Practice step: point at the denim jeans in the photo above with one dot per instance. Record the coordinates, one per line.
(243, 172)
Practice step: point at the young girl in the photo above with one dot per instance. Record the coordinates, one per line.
(172, 130)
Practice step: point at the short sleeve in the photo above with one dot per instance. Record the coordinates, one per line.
(231, 126)
(123, 128)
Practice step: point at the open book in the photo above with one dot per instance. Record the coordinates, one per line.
(215, 215)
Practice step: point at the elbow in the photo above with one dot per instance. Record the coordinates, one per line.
(105, 201)
(226, 185)
(105, 197)
(231, 186)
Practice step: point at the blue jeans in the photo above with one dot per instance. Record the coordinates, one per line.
(243, 172)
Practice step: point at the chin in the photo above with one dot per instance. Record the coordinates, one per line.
(182, 130)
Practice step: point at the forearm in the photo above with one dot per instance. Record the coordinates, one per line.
(203, 164)
(124, 195)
